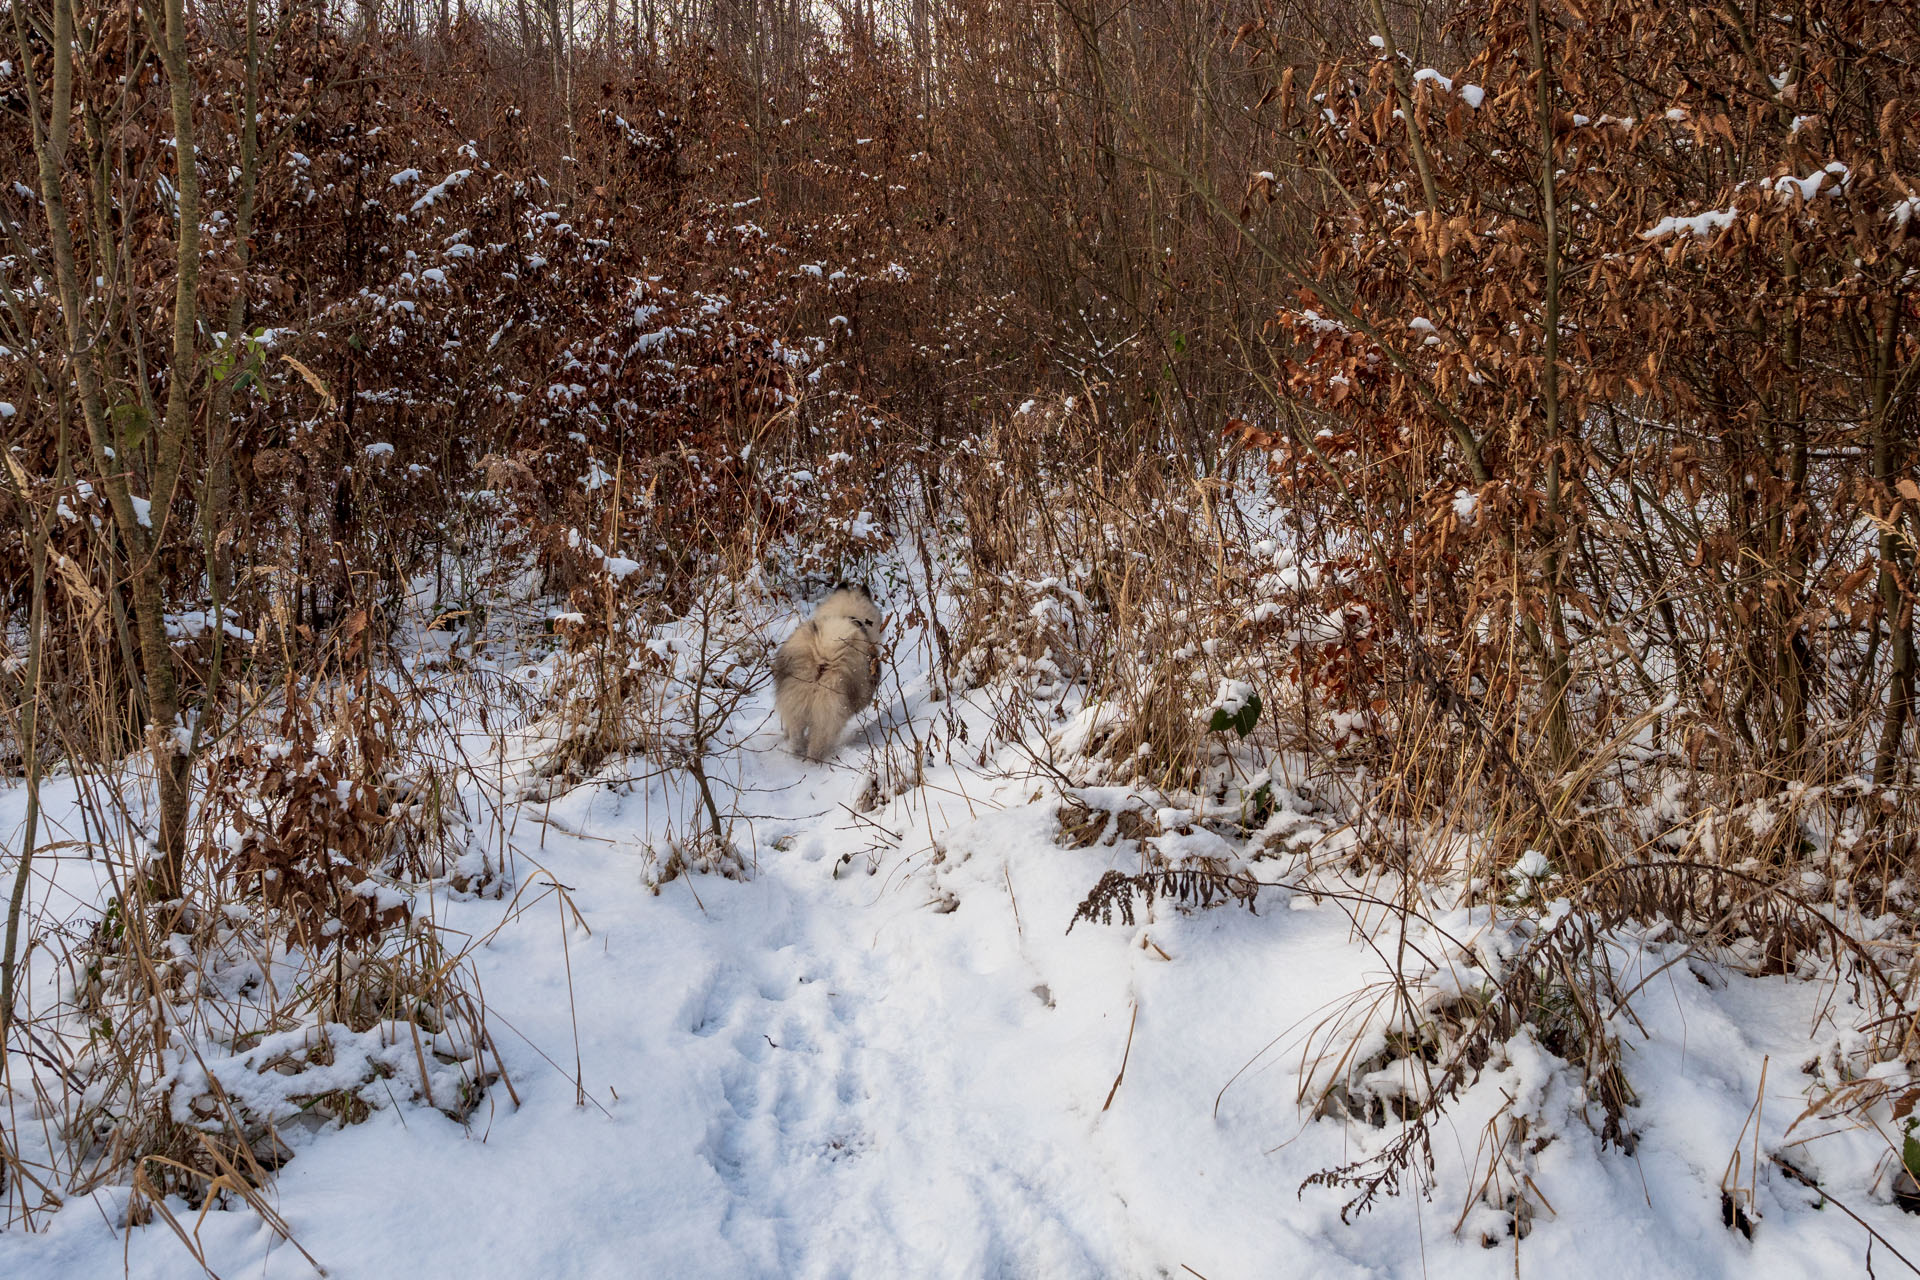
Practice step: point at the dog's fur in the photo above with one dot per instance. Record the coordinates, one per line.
(827, 671)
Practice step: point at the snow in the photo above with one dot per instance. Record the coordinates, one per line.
(1232, 697)
(1788, 186)
(1469, 94)
(1834, 180)
(439, 189)
(880, 1053)
(1699, 225)
(142, 511)
(194, 623)
(1532, 865)
(383, 897)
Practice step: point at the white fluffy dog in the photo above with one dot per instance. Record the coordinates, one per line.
(827, 670)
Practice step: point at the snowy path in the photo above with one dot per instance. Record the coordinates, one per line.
(855, 1062)
(905, 1069)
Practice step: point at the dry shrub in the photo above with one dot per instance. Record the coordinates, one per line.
(291, 985)
(1130, 579)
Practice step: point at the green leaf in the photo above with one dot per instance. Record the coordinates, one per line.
(1241, 721)
(1910, 1154)
(1259, 806)
(133, 421)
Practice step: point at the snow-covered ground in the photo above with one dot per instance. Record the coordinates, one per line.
(880, 1053)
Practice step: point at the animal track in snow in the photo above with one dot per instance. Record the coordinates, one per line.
(784, 1058)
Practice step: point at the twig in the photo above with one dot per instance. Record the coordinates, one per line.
(1128, 1053)
(1805, 1181)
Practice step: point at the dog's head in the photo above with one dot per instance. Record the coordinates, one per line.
(853, 602)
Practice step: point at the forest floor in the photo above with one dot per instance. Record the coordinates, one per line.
(876, 1050)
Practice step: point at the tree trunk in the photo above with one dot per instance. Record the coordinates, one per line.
(1896, 561)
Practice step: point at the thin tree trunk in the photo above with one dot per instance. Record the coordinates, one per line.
(173, 760)
(1558, 674)
(52, 126)
(1889, 461)
(29, 734)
